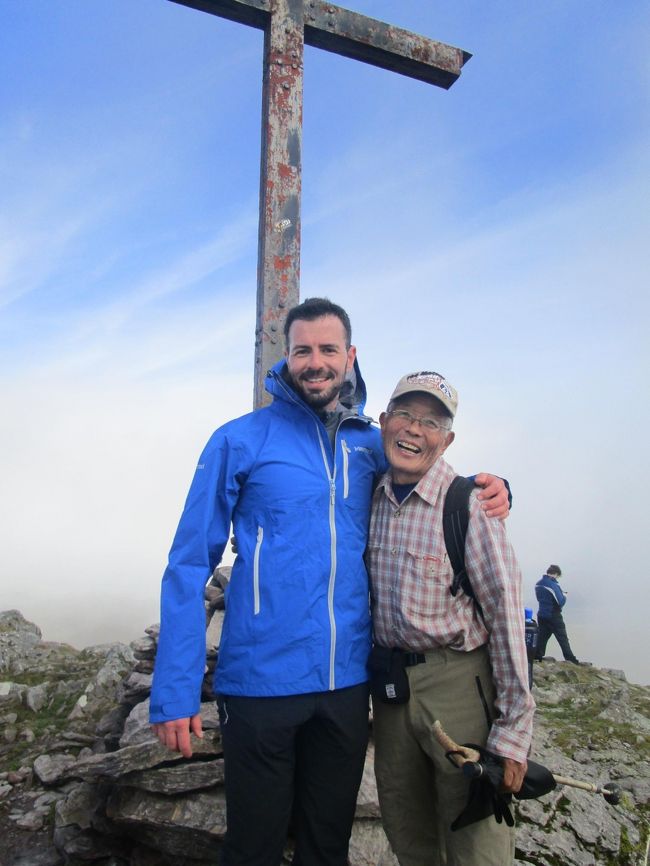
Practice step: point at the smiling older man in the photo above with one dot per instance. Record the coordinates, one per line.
(467, 669)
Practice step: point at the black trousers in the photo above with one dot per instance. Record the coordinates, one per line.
(296, 759)
(554, 626)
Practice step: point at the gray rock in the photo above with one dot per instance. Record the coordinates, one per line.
(112, 722)
(119, 660)
(45, 800)
(143, 647)
(78, 711)
(79, 807)
(18, 637)
(15, 777)
(175, 825)
(624, 714)
(36, 697)
(221, 576)
(76, 738)
(368, 800)
(49, 769)
(87, 845)
(11, 693)
(214, 598)
(137, 728)
(103, 691)
(112, 765)
(34, 820)
(389, 859)
(369, 845)
(144, 666)
(136, 687)
(193, 776)
(213, 633)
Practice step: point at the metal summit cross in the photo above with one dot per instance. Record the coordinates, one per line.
(288, 25)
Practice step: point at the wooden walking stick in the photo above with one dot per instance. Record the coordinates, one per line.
(470, 761)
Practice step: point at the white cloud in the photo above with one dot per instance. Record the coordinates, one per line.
(95, 476)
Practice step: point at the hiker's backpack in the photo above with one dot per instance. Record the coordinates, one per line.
(455, 519)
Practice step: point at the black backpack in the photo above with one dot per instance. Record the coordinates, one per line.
(455, 519)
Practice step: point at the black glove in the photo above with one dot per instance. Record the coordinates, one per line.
(485, 798)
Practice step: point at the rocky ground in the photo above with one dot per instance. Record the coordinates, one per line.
(83, 782)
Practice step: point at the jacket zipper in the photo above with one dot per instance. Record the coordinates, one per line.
(346, 452)
(332, 523)
(256, 570)
(332, 578)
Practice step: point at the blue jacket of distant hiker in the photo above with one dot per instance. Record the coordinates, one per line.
(550, 597)
(297, 611)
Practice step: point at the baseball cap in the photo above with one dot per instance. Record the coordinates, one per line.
(428, 383)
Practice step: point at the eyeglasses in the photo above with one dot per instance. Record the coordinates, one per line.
(408, 418)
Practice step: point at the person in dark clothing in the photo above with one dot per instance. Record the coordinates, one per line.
(551, 600)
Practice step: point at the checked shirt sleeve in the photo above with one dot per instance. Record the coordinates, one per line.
(496, 580)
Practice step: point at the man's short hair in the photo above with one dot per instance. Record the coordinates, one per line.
(554, 569)
(315, 308)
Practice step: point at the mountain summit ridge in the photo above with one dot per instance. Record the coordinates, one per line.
(83, 780)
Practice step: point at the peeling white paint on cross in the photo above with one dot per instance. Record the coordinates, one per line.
(288, 26)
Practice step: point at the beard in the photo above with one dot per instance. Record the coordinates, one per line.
(320, 399)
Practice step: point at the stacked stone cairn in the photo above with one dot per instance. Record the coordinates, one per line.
(117, 797)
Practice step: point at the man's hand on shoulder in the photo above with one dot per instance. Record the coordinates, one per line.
(176, 734)
(493, 496)
(513, 775)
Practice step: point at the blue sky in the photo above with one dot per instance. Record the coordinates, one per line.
(497, 232)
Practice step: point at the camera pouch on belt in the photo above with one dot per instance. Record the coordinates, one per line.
(388, 679)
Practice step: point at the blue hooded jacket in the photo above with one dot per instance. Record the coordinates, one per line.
(550, 597)
(297, 610)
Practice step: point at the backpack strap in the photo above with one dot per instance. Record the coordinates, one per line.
(455, 520)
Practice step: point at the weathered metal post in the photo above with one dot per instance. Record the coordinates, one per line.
(278, 261)
(288, 25)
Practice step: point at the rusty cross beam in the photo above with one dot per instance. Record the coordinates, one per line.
(288, 26)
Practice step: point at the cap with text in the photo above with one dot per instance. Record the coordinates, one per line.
(428, 383)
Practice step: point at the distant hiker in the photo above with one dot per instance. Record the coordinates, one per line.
(551, 601)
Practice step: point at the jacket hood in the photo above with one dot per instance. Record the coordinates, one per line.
(353, 393)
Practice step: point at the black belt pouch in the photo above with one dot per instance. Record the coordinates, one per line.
(389, 682)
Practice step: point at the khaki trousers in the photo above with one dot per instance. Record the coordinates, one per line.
(420, 792)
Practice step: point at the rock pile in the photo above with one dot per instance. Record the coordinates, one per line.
(83, 780)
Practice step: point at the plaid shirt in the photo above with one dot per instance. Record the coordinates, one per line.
(414, 610)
